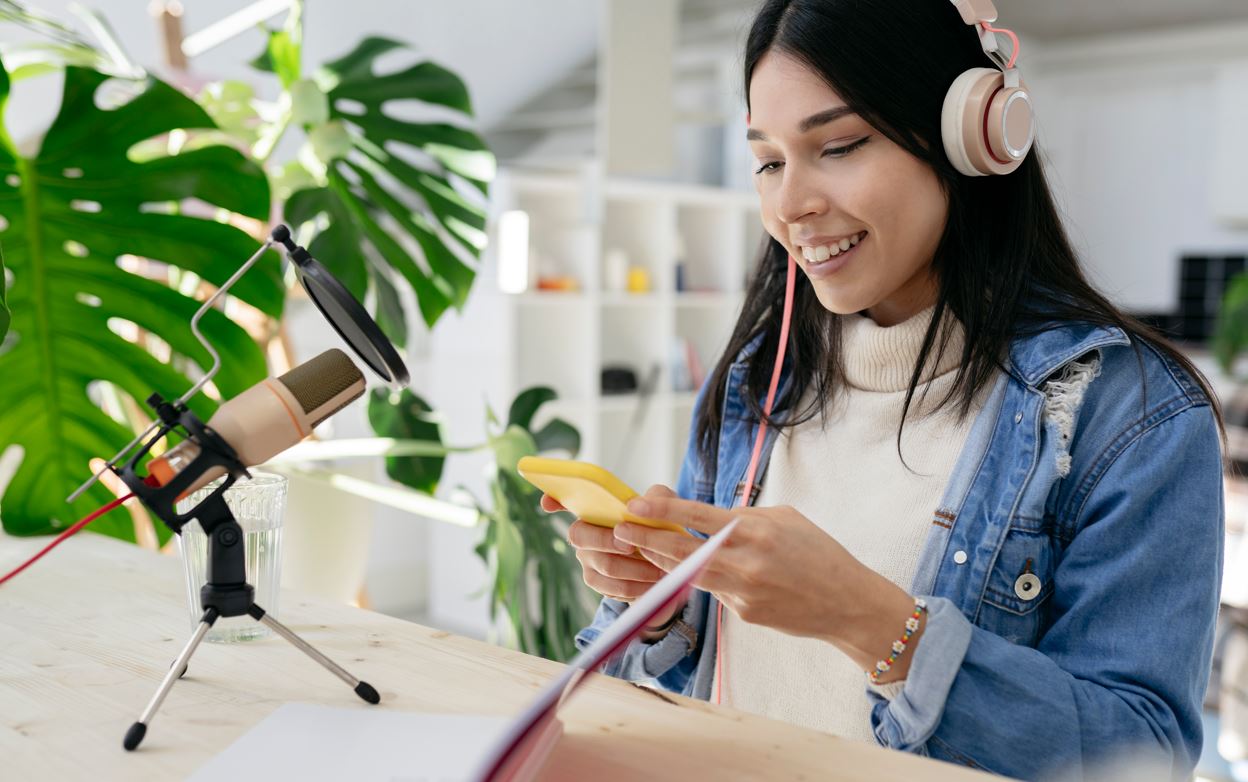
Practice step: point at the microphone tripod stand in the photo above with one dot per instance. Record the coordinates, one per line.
(226, 592)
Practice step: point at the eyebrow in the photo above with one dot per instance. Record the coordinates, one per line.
(806, 125)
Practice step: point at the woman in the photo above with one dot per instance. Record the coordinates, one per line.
(965, 433)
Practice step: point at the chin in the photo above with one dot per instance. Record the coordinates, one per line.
(838, 303)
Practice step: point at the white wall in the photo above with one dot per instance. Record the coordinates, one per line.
(1127, 123)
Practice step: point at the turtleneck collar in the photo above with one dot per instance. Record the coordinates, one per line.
(881, 359)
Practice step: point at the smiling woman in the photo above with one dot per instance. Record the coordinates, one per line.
(987, 524)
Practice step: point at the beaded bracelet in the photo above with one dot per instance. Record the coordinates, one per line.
(899, 646)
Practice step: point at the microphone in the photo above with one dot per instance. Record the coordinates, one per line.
(271, 416)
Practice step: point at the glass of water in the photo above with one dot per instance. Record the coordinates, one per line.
(259, 505)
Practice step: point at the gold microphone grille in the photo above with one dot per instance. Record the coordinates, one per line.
(316, 382)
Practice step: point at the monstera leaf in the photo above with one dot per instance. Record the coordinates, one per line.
(69, 213)
(408, 418)
(4, 308)
(391, 184)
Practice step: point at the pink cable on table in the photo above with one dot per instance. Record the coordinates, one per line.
(789, 285)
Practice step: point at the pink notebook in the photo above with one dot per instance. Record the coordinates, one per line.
(521, 751)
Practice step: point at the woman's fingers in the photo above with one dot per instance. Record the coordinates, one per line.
(675, 545)
(550, 504)
(617, 576)
(619, 567)
(659, 490)
(584, 535)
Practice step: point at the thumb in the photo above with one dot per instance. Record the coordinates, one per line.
(659, 490)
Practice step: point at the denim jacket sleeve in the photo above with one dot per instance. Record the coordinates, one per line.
(1124, 663)
(672, 660)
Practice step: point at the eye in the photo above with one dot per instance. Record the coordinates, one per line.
(833, 152)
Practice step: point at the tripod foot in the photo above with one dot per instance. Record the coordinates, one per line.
(362, 689)
(134, 736)
(366, 691)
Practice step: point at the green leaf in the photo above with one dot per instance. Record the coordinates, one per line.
(70, 213)
(282, 52)
(526, 404)
(1230, 335)
(558, 435)
(4, 307)
(390, 315)
(511, 446)
(407, 216)
(555, 435)
(408, 418)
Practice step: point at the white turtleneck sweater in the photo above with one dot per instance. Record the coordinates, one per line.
(846, 477)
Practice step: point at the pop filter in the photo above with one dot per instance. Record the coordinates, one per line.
(344, 312)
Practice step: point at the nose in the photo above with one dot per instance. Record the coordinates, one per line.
(799, 196)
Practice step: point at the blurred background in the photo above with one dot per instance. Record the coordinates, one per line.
(599, 198)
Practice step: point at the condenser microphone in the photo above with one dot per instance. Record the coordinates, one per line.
(271, 416)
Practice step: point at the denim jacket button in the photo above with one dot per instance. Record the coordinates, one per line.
(1027, 586)
(1018, 418)
(959, 557)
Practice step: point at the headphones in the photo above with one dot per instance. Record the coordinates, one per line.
(987, 123)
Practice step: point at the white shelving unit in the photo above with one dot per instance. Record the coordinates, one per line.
(564, 339)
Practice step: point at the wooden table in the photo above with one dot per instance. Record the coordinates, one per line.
(87, 633)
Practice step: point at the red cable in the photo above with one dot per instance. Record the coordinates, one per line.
(746, 499)
(95, 515)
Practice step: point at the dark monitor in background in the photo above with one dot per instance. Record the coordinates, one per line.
(1202, 282)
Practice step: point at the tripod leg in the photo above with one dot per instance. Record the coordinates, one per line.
(362, 689)
(134, 736)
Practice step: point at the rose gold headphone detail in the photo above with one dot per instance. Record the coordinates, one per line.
(987, 123)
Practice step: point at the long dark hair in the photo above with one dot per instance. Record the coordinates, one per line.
(1004, 264)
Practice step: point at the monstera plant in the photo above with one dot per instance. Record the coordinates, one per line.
(70, 211)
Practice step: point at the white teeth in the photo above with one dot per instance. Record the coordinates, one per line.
(820, 254)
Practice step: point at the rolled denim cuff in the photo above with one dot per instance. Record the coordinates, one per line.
(641, 660)
(909, 718)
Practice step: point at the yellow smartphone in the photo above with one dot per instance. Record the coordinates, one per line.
(587, 490)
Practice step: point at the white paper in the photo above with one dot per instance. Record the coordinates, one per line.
(310, 743)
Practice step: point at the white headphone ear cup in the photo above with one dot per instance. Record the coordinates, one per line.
(953, 119)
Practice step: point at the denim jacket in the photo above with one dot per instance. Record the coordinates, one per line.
(1109, 492)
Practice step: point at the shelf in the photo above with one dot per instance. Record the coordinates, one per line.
(614, 404)
(706, 299)
(550, 298)
(563, 339)
(631, 299)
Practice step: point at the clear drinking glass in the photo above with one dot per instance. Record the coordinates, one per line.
(259, 505)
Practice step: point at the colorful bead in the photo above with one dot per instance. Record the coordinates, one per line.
(899, 646)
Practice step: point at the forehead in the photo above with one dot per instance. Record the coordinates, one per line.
(784, 90)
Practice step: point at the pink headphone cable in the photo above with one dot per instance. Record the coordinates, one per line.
(1013, 39)
(789, 285)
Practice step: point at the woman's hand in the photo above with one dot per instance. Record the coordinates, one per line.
(608, 566)
(781, 570)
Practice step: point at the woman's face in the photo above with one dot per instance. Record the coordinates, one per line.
(827, 179)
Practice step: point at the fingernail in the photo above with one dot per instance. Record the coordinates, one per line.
(620, 543)
(638, 506)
